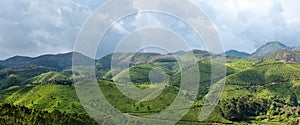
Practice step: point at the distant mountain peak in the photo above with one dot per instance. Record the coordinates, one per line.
(269, 48)
(274, 42)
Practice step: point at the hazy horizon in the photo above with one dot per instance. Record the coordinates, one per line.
(98, 57)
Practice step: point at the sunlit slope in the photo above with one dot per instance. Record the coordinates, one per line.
(266, 73)
(140, 74)
(53, 77)
(47, 97)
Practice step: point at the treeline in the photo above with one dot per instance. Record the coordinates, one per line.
(11, 114)
(56, 81)
(13, 70)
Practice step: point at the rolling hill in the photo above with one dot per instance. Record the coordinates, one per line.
(57, 62)
(285, 55)
(265, 73)
(18, 76)
(140, 74)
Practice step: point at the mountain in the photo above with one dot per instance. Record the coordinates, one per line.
(57, 62)
(237, 53)
(296, 48)
(178, 53)
(123, 59)
(270, 48)
(285, 55)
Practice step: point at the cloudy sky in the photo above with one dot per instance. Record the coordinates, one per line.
(35, 27)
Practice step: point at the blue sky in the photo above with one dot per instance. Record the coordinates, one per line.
(35, 27)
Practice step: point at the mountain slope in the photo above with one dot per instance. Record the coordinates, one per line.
(296, 48)
(53, 77)
(285, 55)
(265, 73)
(47, 97)
(19, 75)
(140, 74)
(58, 62)
(270, 48)
(237, 53)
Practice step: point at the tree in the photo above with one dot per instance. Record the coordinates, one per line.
(293, 100)
(238, 109)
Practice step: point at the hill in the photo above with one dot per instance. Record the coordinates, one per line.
(237, 53)
(270, 48)
(285, 55)
(205, 71)
(296, 48)
(57, 62)
(47, 97)
(53, 77)
(140, 74)
(266, 72)
(18, 76)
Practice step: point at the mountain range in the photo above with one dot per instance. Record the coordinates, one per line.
(271, 50)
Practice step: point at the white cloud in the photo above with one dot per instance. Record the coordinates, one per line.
(33, 27)
(246, 25)
(120, 28)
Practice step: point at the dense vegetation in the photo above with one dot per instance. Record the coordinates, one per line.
(12, 114)
(18, 76)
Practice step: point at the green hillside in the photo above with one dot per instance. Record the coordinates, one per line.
(17, 76)
(53, 77)
(266, 72)
(240, 65)
(12, 114)
(8, 92)
(205, 71)
(140, 74)
(47, 97)
(276, 103)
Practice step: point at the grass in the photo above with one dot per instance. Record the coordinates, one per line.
(240, 65)
(125, 104)
(140, 74)
(47, 97)
(8, 92)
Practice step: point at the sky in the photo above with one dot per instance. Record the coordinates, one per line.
(36, 27)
